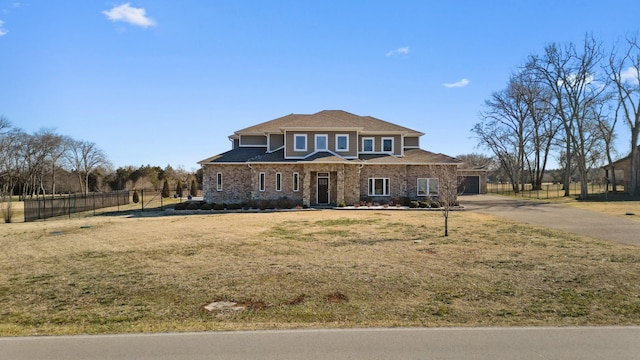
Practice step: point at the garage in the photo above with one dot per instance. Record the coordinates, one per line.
(469, 184)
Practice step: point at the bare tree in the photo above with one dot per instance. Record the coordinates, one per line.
(570, 74)
(505, 128)
(447, 190)
(85, 157)
(624, 72)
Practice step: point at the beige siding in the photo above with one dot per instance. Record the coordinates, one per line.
(311, 143)
(253, 140)
(276, 141)
(412, 142)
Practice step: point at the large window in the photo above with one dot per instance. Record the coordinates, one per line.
(219, 181)
(296, 181)
(367, 144)
(321, 143)
(342, 142)
(300, 142)
(427, 187)
(262, 182)
(387, 144)
(278, 182)
(378, 187)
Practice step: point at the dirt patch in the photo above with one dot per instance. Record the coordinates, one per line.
(337, 297)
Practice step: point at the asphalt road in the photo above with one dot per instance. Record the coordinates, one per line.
(556, 216)
(618, 343)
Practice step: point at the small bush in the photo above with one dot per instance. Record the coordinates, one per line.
(181, 206)
(136, 197)
(206, 206)
(284, 203)
(193, 206)
(234, 206)
(342, 204)
(414, 204)
(218, 206)
(424, 204)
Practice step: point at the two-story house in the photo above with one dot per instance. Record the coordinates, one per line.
(326, 158)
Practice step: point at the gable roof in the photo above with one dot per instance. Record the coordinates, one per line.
(329, 120)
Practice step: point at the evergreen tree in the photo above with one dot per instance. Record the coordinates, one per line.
(165, 189)
(136, 197)
(179, 188)
(194, 188)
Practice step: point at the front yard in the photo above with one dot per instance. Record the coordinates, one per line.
(115, 274)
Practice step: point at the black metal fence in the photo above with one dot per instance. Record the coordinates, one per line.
(548, 190)
(65, 205)
(44, 207)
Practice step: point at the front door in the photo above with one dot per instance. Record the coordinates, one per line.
(323, 189)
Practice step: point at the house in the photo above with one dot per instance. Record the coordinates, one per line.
(622, 171)
(324, 159)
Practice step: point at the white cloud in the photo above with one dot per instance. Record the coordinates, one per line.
(402, 50)
(461, 83)
(630, 75)
(131, 15)
(3, 31)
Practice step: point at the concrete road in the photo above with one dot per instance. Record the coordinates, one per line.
(618, 343)
(556, 216)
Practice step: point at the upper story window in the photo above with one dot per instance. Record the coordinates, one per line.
(300, 142)
(367, 144)
(342, 142)
(387, 144)
(322, 143)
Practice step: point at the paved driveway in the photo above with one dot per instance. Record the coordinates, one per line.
(556, 216)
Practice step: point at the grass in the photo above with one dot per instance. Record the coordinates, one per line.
(307, 269)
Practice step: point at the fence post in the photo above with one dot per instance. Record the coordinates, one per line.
(142, 202)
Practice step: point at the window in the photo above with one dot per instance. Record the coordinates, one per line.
(219, 181)
(296, 181)
(262, 181)
(300, 142)
(379, 187)
(342, 142)
(367, 144)
(278, 182)
(427, 186)
(387, 144)
(321, 142)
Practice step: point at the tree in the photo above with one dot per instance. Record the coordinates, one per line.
(85, 157)
(165, 189)
(570, 74)
(447, 190)
(505, 128)
(179, 188)
(624, 73)
(194, 188)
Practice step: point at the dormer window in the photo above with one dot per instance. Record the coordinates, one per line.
(322, 143)
(300, 142)
(367, 144)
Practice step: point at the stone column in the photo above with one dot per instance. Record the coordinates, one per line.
(340, 185)
(306, 187)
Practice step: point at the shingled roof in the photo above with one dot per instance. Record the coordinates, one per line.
(329, 119)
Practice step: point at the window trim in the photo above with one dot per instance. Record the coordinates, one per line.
(296, 182)
(337, 141)
(392, 144)
(219, 181)
(295, 142)
(428, 181)
(262, 182)
(326, 142)
(373, 144)
(386, 187)
(278, 181)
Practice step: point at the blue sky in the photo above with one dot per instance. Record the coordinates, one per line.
(165, 82)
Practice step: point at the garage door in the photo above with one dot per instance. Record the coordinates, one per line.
(469, 184)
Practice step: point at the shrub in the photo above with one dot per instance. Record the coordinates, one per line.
(414, 204)
(342, 204)
(284, 203)
(424, 204)
(136, 197)
(194, 188)
(181, 206)
(206, 206)
(218, 206)
(193, 205)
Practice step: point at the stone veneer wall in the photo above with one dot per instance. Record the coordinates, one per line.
(403, 180)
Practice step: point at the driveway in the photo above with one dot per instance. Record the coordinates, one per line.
(556, 216)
